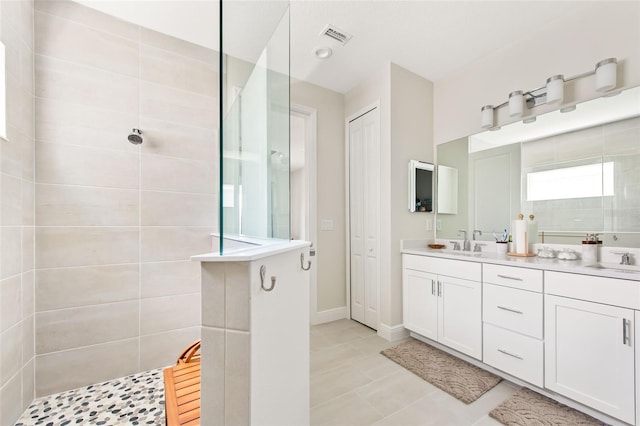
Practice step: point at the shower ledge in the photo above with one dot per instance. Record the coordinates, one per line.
(259, 250)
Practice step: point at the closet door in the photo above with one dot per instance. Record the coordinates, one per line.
(364, 184)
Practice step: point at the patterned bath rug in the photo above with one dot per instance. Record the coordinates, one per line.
(526, 407)
(133, 400)
(458, 378)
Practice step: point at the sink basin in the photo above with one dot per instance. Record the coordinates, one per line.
(462, 253)
(615, 267)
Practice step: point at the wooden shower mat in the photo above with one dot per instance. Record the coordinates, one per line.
(182, 388)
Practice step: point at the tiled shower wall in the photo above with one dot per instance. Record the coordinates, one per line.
(16, 214)
(115, 223)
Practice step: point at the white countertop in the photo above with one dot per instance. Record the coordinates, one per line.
(248, 254)
(534, 262)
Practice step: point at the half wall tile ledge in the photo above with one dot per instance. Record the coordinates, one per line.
(252, 249)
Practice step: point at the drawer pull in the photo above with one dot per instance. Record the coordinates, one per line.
(507, 277)
(625, 332)
(510, 310)
(510, 354)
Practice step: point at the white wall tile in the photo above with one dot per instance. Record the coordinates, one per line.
(88, 126)
(76, 327)
(84, 85)
(177, 209)
(63, 205)
(169, 69)
(10, 302)
(64, 39)
(83, 366)
(11, 400)
(169, 278)
(83, 15)
(67, 246)
(11, 357)
(173, 139)
(162, 349)
(186, 175)
(177, 106)
(60, 288)
(11, 208)
(173, 242)
(160, 314)
(76, 165)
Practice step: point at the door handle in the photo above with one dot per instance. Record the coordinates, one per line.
(510, 354)
(626, 339)
(507, 277)
(439, 289)
(504, 308)
(433, 288)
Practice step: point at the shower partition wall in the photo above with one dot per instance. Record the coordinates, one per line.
(254, 146)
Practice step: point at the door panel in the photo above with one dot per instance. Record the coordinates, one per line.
(420, 303)
(586, 357)
(460, 315)
(364, 190)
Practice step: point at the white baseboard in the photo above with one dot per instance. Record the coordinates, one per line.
(330, 315)
(392, 333)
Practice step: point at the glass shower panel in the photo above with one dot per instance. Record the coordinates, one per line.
(254, 184)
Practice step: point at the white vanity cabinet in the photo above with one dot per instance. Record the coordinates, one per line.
(442, 300)
(589, 352)
(513, 321)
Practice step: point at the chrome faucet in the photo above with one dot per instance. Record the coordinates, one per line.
(477, 247)
(456, 245)
(626, 259)
(466, 244)
(476, 231)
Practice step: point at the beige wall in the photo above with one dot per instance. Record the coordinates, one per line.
(117, 223)
(330, 155)
(609, 29)
(411, 139)
(16, 215)
(406, 129)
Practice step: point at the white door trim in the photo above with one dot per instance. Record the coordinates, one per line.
(347, 163)
(311, 225)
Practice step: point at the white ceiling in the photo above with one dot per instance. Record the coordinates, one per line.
(430, 38)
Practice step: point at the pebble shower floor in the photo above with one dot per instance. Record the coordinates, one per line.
(133, 400)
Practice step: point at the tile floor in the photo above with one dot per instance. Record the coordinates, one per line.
(133, 400)
(352, 384)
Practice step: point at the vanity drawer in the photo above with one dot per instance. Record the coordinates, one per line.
(610, 291)
(513, 309)
(510, 276)
(513, 353)
(452, 268)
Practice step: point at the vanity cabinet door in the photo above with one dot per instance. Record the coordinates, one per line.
(460, 315)
(420, 303)
(589, 354)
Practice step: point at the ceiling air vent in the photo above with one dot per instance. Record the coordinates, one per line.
(336, 34)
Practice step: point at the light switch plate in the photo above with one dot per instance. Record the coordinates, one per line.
(326, 225)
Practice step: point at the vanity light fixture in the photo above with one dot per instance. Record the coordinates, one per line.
(487, 116)
(606, 74)
(551, 93)
(515, 103)
(555, 89)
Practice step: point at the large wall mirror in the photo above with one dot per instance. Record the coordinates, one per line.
(577, 171)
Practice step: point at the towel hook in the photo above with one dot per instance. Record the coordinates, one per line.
(302, 263)
(263, 272)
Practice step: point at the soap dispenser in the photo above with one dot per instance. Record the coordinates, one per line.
(590, 249)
